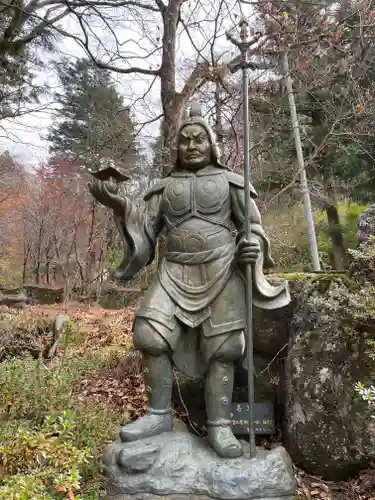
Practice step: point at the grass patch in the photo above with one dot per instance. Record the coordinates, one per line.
(51, 436)
(289, 236)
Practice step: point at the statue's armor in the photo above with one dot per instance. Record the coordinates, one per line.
(198, 283)
(196, 211)
(195, 310)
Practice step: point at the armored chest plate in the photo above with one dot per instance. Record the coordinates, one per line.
(196, 196)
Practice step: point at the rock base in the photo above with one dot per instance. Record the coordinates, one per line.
(150, 496)
(182, 466)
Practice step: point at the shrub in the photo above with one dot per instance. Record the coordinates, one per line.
(349, 213)
(54, 460)
(52, 438)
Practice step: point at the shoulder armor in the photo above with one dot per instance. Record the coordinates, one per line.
(155, 188)
(238, 181)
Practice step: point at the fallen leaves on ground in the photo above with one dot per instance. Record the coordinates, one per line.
(99, 325)
(361, 487)
(125, 394)
(123, 388)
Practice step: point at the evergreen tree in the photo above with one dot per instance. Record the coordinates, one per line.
(22, 32)
(93, 125)
(331, 57)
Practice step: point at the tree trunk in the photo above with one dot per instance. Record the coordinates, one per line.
(100, 270)
(26, 253)
(48, 266)
(89, 256)
(168, 84)
(39, 255)
(173, 102)
(334, 224)
(330, 205)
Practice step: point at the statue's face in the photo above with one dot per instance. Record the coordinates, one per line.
(194, 148)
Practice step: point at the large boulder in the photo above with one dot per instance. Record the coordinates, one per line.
(44, 294)
(271, 329)
(362, 267)
(13, 297)
(328, 428)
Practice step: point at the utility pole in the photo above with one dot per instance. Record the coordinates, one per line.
(301, 166)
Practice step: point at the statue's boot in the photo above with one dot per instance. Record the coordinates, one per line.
(218, 396)
(158, 381)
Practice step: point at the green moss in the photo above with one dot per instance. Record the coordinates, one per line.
(308, 276)
(294, 276)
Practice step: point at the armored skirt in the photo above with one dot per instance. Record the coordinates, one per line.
(196, 303)
(198, 299)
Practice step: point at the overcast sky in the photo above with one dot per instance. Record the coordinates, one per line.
(26, 136)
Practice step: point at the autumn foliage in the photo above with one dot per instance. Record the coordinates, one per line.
(53, 231)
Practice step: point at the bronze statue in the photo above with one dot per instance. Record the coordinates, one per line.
(193, 315)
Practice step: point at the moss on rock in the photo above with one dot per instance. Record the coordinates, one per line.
(328, 430)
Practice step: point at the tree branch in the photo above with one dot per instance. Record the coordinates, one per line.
(198, 77)
(121, 3)
(160, 5)
(125, 71)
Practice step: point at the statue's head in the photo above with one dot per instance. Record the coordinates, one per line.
(196, 143)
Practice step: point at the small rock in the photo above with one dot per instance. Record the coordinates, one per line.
(16, 301)
(138, 463)
(366, 226)
(59, 326)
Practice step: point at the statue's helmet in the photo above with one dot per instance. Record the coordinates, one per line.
(194, 116)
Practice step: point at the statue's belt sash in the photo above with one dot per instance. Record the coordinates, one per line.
(201, 257)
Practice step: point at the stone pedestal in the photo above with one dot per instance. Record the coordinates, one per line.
(182, 466)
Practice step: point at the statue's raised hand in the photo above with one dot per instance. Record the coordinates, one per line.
(106, 192)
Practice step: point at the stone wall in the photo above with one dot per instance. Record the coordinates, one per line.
(44, 295)
(34, 294)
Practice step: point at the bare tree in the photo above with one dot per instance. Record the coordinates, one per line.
(176, 44)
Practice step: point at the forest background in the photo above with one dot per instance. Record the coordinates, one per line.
(53, 231)
(123, 71)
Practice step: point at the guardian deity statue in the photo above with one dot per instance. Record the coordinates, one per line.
(193, 314)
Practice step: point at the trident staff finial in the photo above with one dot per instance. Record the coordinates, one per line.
(244, 30)
(246, 43)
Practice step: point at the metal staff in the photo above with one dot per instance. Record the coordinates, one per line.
(244, 43)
